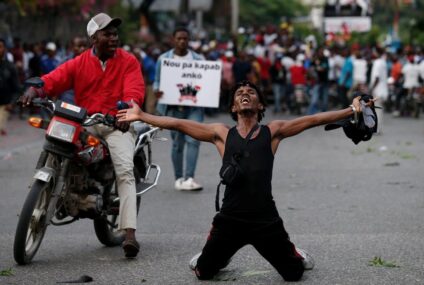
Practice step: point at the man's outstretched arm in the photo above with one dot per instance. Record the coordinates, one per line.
(200, 131)
(283, 129)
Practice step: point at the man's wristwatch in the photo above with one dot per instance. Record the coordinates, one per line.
(355, 115)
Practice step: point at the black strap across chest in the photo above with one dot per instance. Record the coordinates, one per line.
(242, 153)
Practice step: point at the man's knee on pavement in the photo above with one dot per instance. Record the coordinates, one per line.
(205, 269)
(292, 273)
(205, 274)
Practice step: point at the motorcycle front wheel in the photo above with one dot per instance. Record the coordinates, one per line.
(32, 224)
(106, 228)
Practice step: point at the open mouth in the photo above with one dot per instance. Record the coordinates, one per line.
(245, 100)
(112, 48)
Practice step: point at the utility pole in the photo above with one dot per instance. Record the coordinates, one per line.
(234, 16)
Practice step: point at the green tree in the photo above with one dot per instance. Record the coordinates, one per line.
(270, 11)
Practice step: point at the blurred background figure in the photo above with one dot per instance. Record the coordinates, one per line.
(378, 84)
(278, 76)
(319, 100)
(49, 61)
(9, 86)
(345, 81)
(78, 45)
(359, 71)
(149, 59)
(227, 81)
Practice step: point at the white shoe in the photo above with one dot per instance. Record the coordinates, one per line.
(308, 261)
(190, 185)
(178, 183)
(193, 261)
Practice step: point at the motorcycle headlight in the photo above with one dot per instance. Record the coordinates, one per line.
(62, 131)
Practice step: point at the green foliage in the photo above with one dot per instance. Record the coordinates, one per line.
(379, 262)
(6, 272)
(129, 27)
(302, 30)
(371, 38)
(384, 15)
(60, 7)
(271, 11)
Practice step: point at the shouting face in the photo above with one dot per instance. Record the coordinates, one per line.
(106, 42)
(246, 100)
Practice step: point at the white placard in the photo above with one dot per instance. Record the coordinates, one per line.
(354, 24)
(190, 83)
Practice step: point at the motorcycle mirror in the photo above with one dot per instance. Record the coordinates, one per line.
(35, 82)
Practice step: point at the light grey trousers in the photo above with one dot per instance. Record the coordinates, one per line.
(121, 147)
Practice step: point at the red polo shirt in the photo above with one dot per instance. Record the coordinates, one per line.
(96, 90)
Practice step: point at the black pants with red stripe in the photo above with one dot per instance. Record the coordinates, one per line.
(269, 238)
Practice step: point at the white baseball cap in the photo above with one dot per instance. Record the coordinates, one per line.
(51, 46)
(101, 21)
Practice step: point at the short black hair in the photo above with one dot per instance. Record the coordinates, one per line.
(180, 29)
(3, 41)
(262, 99)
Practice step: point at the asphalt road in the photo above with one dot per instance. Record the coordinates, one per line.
(345, 204)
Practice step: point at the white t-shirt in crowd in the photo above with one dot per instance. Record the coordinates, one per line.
(188, 56)
(410, 72)
(379, 70)
(359, 71)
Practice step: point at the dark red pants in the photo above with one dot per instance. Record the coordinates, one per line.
(269, 238)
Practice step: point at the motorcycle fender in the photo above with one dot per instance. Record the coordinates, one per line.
(44, 174)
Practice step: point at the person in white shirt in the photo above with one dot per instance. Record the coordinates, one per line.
(411, 83)
(359, 71)
(411, 74)
(378, 84)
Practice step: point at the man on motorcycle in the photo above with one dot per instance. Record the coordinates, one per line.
(101, 76)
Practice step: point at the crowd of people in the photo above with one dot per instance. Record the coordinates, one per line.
(298, 76)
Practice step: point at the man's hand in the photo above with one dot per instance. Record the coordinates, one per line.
(130, 115)
(122, 126)
(26, 99)
(357, 104)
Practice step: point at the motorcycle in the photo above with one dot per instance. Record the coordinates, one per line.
(74, 176)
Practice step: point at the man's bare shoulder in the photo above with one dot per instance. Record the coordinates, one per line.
(276, 124)
(219, 127)
(220, 130)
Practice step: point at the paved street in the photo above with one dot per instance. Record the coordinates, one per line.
(345, 204)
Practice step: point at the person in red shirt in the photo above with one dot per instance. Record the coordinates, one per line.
(102, 76)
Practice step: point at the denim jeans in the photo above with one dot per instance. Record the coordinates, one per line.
(319, 95)
(180, 140)
(278, 90)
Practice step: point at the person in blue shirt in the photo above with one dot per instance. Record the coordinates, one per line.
(149, 71)
(346, 79)
(49, 61)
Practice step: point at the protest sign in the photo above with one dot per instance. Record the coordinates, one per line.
(190, 83)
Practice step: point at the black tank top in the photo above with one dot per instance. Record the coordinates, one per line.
(251, 196)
